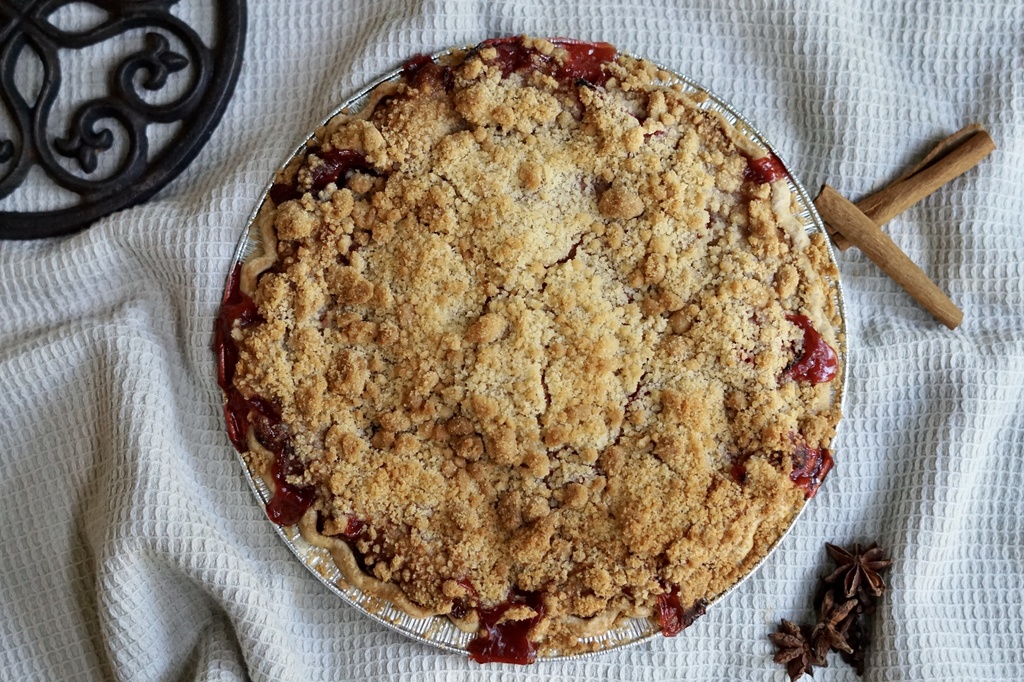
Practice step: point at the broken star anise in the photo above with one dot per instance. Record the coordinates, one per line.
(830, 631)
(794, 647)
(858, 571)
(857, 638)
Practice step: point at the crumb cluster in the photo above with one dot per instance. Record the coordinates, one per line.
(528, 341)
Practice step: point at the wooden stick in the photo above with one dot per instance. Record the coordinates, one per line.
(876, 245)
(950, 159)
(942, 149)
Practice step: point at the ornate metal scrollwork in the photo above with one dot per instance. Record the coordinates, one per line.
(131, 177)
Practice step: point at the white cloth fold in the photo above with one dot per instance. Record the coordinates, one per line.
(131, 547)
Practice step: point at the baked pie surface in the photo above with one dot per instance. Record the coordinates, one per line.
(537, 343)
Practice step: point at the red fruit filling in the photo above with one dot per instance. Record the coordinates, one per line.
(738, 471)
(462, 607)
(765, 170)
(819, 362)
(673, 617)
(585, 60)
(810, 466)
(506, 642)
(336, 164)
(354, 528)
(289, 502)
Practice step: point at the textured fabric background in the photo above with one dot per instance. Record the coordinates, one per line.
(131, 547)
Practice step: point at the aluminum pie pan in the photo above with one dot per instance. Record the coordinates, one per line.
(439, 631)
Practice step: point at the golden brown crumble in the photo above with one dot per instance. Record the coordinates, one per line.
(528, 343)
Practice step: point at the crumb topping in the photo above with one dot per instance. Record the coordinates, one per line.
(527, 344)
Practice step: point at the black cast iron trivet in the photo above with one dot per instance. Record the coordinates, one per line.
(25, 27)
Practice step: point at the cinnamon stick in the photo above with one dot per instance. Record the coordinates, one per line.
(876, 245)
(951, 158)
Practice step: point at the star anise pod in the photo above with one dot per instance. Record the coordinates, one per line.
(794, 649)
(830, 631)
(858, 571)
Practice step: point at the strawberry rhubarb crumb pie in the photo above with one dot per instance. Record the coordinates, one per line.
(536, 342)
